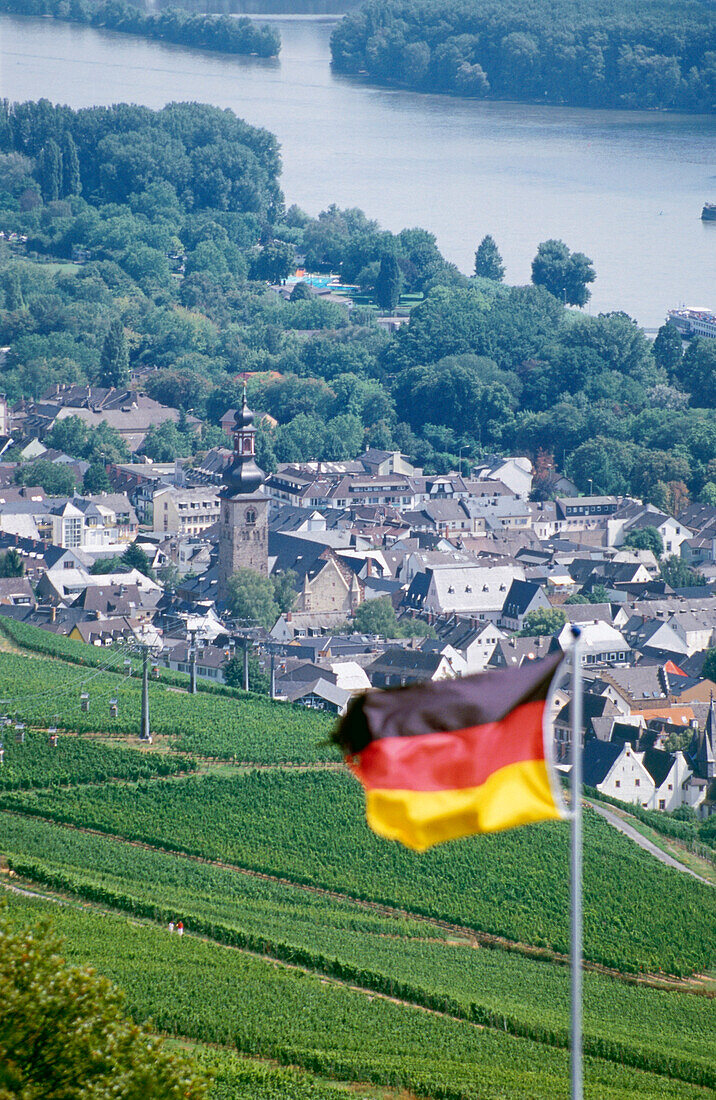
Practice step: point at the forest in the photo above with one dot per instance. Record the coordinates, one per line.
(645, 54)
(181, 223)
(201, 32)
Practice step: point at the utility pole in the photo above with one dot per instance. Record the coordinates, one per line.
(144, 734)
(246, 664)
(273, 674)
(192, 675)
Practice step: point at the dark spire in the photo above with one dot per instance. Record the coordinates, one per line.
(243, 476)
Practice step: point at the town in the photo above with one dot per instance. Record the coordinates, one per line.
(335, 577)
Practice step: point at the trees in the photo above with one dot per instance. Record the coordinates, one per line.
(55, 478)
(135, 558)
(488, 261)
(11, 564)
(95, 479)
(388, 283)
(274, 262)
(648, 538)
(698, 372)
(678, 574)
(71, 182)
(50, 168)
(114, 360)
(376, 617)
(708, 669)
(251, 598)
(668, 348)
(64, 1032)
(542, 622)
(563, 273)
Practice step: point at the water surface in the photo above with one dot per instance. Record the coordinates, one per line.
(625, 187)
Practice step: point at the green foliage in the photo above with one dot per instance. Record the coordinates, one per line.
(95, 479)
(376, 617)
(668, 348)
(77, 760)
(641, 54)
(708, 670)
(488, 261)
(203, 991)
(63, 1030)
(259, 821)
(274, 262)
(114, 360)
(251, 598)
(201, 32)
(647, 538)
(11, 564)
(563, 273)
(135, 558)
(388, 283)
(678, 574)
(56, 478)
(542, 622)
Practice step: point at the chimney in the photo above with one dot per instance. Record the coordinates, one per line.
(53, 614)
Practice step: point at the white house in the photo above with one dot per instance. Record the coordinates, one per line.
(470, 590)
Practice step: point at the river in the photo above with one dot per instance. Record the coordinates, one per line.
(625, 187)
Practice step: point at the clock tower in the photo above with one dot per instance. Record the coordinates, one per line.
(243, 523)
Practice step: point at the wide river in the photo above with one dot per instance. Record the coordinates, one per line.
(625, 187)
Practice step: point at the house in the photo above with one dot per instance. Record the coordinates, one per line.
(513, 652)
(320, 694)
(701, 757)
(523, 597)
(185, 511)
(648, 688)
(601, 644)
(469, 643)
(616, 769)
(328, 585)
(16, 592)
(471, 590)
(398, 666)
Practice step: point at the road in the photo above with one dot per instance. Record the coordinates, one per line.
(643, 842)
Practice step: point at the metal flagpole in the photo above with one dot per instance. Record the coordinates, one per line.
(576, 871)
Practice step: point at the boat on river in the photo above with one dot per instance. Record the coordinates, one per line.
(708, 214)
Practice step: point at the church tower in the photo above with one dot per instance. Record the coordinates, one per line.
(243, 524)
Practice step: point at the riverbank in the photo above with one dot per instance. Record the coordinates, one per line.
(220, 33)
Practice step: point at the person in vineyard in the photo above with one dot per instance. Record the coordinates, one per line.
(171, 925)
(180, 929)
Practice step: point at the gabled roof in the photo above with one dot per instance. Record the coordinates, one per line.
(658, 764)
(598, 759)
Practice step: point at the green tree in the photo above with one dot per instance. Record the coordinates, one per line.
(57, 479)
(168, 576)
(64, 1031)
(488, 261)
(597, 594)
(668, 348)
(698, 372)
(376, 617)
(284, 589)
(388, 283)
(114, 360)
(108, 565)
(251, 598)
(678, 574)
(50, 165)
(274, 262)
(71, 182)
(95, 479)
(259, 679)
(301, 293)
(543, 621)
(708, 669)
(648, 538)
(13, 290)
(564, 274)
(135, 558)
(708, 494)
(11, 564)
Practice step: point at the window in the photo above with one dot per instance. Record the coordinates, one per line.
(250, 516)
(637, 782)
(662, 803)
(617, 783)
(671, 786)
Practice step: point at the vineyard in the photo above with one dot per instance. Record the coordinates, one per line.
(513, 884)
(198, 989)
(244, 727)
(313, 943)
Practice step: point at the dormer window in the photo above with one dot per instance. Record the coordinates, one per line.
(451, 589)
(468, 588)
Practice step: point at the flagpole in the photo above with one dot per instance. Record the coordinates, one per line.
(576, 871)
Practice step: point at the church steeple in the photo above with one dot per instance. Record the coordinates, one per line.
(703, 747)
(243, 476)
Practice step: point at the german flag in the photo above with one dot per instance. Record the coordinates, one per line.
(446, 759)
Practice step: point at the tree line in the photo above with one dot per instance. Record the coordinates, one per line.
(182, 223)
(202, 32)
(651, 54)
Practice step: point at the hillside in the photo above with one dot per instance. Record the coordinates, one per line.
(313, 943)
